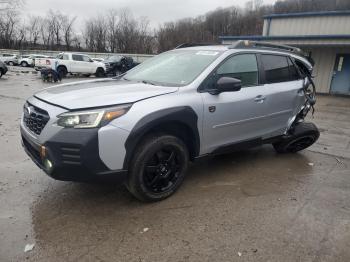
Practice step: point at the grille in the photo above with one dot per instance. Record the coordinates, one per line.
(35, 118)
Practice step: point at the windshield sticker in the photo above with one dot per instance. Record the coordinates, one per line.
(207, 53)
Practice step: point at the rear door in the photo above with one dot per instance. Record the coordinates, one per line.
(284, 94)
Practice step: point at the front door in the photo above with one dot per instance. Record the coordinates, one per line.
(341, 75)
(233, 117)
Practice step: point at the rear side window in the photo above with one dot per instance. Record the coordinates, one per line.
(77, 57)
(293, 71)
(276, 68)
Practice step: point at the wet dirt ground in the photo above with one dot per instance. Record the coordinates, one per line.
(253, 205)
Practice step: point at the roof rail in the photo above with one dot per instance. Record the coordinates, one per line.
(184, 45)
(264, 45)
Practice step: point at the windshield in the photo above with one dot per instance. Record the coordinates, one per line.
(114, 58)
(174, 68)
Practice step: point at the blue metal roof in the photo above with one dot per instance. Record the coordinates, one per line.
(289, 37)
(306, 14)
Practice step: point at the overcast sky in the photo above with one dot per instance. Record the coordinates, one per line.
(157, 11)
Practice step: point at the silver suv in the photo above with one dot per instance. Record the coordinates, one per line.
(143, 127)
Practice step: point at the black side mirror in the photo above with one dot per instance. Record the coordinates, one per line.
(227, 84)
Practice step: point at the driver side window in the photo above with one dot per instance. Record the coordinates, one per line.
(243, 67)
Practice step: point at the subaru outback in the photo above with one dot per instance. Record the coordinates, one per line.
(144, 126)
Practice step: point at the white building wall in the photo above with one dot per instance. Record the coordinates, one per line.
(318, 25)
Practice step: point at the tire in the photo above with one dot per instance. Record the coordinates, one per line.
(86, 75)
(62, 71)
(100, 72)
(158, 168)
(10, 63)
(1, 73)
(24, 64)
(302, 136)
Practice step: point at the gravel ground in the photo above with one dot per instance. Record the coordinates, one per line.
(253, 205)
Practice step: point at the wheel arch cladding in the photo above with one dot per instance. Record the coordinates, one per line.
(177, 121)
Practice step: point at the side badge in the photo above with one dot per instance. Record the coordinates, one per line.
(212, 109)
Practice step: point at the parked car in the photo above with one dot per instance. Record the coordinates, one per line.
(143, 127)
(118, 64)
(10, 59)
(3, 69)
(98, 59)
(29, 60)
(72, 63)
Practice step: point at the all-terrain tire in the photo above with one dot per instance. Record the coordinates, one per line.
(145, 168)
(302, 136)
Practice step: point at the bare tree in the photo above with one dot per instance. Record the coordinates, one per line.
(67, 28)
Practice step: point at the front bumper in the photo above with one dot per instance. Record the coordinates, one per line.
(73, 156)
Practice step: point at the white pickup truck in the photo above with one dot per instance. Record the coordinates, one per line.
(72, 63)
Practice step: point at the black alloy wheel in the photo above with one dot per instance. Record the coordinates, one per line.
(157, 168)
(162, 170)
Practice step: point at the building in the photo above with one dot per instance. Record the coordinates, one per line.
(325, 35)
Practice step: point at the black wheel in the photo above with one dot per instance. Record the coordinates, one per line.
(62, 71)
(302, 136)
(0, 73)
(86, 75)
(24, 64)
(10, 63)
(158, 168)
(100, 72)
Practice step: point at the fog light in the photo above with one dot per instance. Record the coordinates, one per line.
(47, 164)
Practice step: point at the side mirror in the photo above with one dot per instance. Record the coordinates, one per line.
(227, 84)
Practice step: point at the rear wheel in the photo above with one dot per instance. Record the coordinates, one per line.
(62, 71)
(11, 63)
(24, 64)
(1, 73)
(158, 168)
(302, 136)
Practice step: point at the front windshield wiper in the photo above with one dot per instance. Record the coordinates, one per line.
(148, 82)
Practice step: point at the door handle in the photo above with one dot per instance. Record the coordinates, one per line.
(260, 99)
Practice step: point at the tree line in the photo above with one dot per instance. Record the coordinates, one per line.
(118, 31)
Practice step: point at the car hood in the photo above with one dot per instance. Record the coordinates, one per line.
(97, 93)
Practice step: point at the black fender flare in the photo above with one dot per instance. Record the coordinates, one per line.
(183, 115)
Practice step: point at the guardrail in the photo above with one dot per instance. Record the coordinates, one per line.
(139, 58)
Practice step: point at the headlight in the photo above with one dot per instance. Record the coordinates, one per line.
(91, 119)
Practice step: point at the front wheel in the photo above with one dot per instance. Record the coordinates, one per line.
(158, 168)
(24, 64)
(302, 136)
(11, 63)
(100, 72)
(0, 73)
